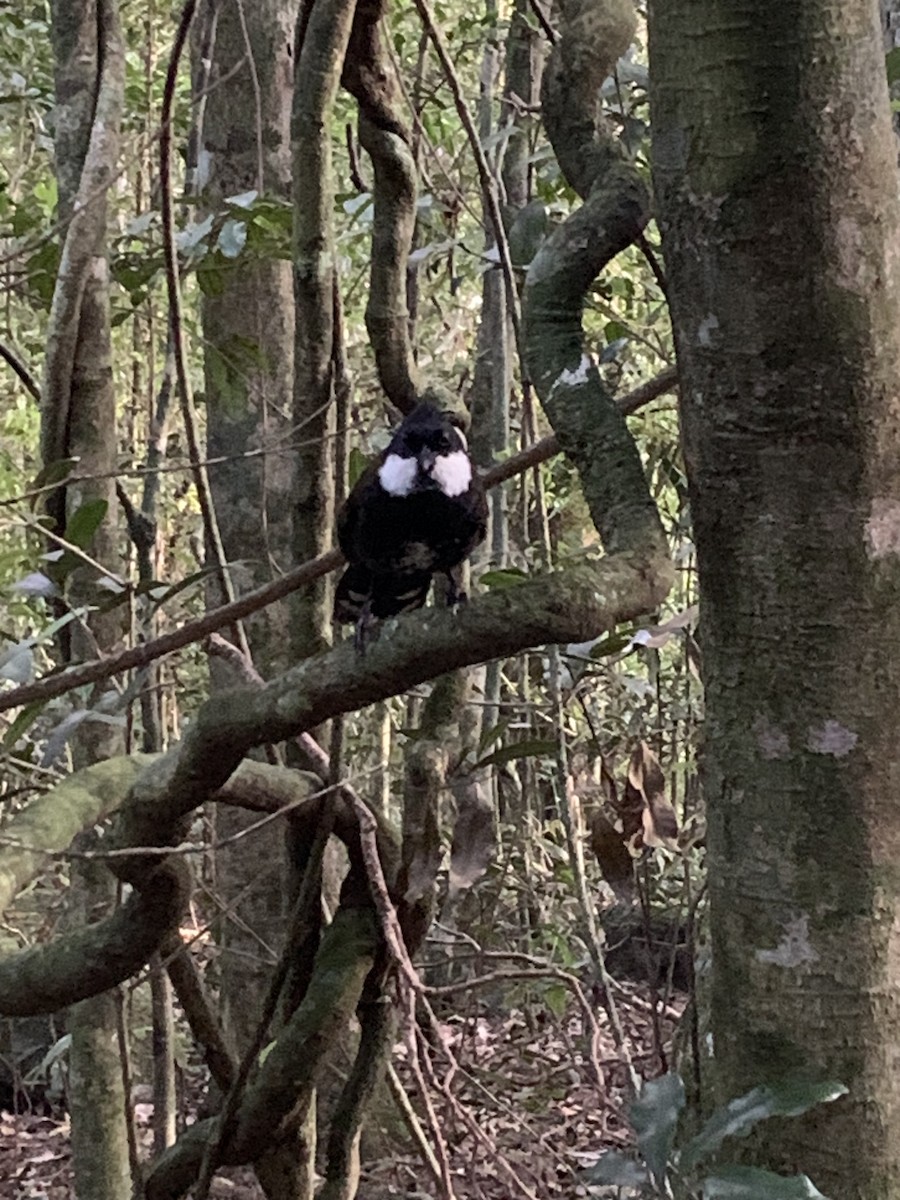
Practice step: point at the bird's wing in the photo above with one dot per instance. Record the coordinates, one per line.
(353, 509)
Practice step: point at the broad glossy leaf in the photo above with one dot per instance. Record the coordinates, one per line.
(356, 464)
(54, 472)
(84, 523)
(752, 1183)
(232, 237)
(789, 1098)
(17, 662)
(613, 643)
(617, 1170)
(654, 1116)
(242, 199)
(36, 583)
(493, 734)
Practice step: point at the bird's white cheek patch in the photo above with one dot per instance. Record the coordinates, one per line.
(453, 473)
(397, 475)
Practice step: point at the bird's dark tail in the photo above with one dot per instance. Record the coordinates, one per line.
(352, 594)
(361, 593)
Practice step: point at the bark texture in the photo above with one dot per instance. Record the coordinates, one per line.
(323, 31)
(78, 420)
(775, 169)
(248, 325)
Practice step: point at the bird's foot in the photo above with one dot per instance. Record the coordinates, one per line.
(456, 594)
(362, 628)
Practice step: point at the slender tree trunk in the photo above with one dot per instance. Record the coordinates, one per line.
(78, 420)
(775, 169)
(323, 33)
(248, 325)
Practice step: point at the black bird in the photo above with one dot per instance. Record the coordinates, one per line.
(418, 510)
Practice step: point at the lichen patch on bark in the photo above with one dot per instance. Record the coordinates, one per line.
(575, 376)
(855, 271)
(773, 742)
(794, 949)
(831, 737)
(883, 528)
(706, 328)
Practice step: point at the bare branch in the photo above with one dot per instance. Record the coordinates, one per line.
(10, 357)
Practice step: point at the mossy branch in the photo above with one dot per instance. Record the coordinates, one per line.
(94, 959)
(290, 1069)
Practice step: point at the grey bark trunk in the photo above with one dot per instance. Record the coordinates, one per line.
(775, 170)
(79, 421)
(248, 332)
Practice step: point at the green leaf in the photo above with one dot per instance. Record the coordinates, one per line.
(507, 577)
(17, 662)
(790, 1098)
(356, 464)
(615, 331)
(191, 239)
(161, 593)
(242, 199)
(892, 64)
(534, 748)
(613, 643)
(84, 523)
(210, 276)
(493, 734)
(23, 723)
(751, 1183)
(556, 997)
(618, 1170)
(654, 1116)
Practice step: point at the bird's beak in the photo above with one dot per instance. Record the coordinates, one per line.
(426, 461)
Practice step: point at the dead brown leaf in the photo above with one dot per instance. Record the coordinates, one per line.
(647, 786)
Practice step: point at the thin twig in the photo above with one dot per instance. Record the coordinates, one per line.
(485, 177)
(9, 356)
(201, 480)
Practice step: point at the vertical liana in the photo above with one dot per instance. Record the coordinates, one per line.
(323, 30)
(369, 77)
(593, 34)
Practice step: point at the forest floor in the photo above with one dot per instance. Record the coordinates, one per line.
(524, 1113)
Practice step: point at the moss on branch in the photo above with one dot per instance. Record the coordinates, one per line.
(590, 428)
(47, 825)
(288, 1074)
(92, 960)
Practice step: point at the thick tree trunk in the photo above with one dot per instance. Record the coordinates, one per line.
(775, 169)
